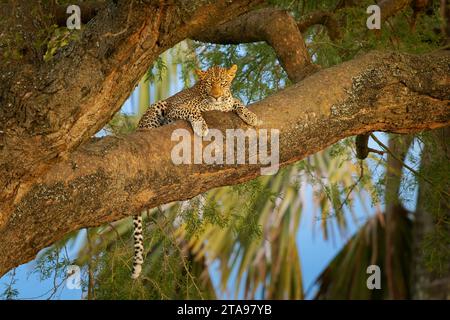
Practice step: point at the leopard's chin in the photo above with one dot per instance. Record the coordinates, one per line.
(215, 101)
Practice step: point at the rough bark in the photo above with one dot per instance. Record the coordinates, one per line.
(110, 178)
(324, 18)
(50, 108)
(278, 28)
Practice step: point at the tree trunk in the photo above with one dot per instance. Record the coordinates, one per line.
(399, 146)
(426, 283)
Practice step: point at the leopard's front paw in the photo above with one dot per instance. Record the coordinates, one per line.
(256, 122)
(200, 128)
(251, 119)
(248, 117)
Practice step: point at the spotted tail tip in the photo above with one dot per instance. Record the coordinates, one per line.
(136, 271)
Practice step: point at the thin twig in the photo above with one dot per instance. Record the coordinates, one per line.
(347, 197)
(361, 174)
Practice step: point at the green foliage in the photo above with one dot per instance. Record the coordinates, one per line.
(171, 274)
(10, 292)
(156, 72)
(121, 124)
(52, 262)
(247, 257)
(346, 275)
(43, 43)
(59, 38)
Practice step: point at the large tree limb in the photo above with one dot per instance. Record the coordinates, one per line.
(50, 108)
(110, 178)
(278, 28)
(324, 18)
(388, 8)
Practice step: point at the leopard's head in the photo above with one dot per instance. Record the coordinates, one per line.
(215, 82)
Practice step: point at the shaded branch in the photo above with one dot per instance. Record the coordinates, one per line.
(276, 27)
(324, 18)
(388, 9)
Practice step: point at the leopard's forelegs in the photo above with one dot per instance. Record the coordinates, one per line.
(246, 115)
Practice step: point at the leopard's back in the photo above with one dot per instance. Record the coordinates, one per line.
(213, 92)
(156, 114)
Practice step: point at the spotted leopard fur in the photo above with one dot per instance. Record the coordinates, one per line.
(211, 92)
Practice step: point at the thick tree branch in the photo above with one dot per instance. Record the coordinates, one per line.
(50, 108)
(110, 178)
(388, 9)
(324, 18)
(278, 28)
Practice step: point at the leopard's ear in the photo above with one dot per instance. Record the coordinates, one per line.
(200, 74)
(232, 71)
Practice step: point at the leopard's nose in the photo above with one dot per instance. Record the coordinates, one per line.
(216, 92)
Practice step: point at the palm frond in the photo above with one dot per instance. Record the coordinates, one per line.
(346, 275)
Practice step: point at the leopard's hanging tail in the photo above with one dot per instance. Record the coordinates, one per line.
(138, 258)
(151, 119)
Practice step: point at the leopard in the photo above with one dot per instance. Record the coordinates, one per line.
(212, 91)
